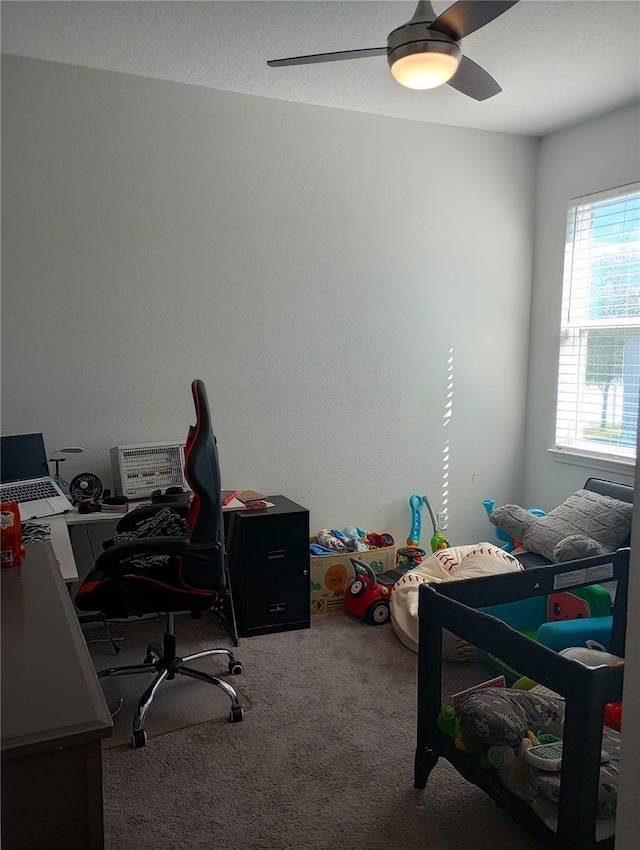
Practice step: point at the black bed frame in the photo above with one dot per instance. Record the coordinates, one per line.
(451, 605)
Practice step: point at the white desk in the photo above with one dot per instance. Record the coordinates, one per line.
(75, 518)
(61, 542)
(61, 546)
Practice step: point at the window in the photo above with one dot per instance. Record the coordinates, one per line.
(599, 365)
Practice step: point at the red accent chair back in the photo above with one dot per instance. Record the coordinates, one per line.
(163, 574)
(202, 471)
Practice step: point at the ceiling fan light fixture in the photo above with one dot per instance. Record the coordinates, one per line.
(425, 52)
(424, 65)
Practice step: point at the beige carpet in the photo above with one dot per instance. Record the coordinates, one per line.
(179, 703)
(324, 759)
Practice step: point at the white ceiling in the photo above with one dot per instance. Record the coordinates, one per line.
(558, 62)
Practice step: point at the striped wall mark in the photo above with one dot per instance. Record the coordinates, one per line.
(443, 515)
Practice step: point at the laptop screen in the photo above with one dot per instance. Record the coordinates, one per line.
(22, 456)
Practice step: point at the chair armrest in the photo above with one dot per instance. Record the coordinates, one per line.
(119, 554)
(131, 519)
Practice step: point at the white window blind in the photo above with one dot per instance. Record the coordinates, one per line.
(599, 364)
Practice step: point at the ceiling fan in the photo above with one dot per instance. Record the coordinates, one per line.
(424, 52)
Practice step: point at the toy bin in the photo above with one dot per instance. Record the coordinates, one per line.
(332, 574)
(571, 824)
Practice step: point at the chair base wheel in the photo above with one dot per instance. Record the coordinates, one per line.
(139, 739)
(236, 715)
(235, 668)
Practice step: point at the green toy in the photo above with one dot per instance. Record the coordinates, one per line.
(449, 724)
(438, 541)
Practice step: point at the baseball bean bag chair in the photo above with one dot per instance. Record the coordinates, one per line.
(454, 564)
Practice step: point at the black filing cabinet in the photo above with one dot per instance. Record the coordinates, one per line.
(268, 553)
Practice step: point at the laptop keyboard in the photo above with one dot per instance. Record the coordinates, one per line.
(27, 491)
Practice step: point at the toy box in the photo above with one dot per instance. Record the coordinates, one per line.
(330, 575)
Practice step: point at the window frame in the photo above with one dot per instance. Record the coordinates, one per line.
(604, 456)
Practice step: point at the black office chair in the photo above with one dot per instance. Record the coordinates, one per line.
(166, 574)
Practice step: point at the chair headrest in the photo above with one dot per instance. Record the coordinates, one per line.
(203, 417)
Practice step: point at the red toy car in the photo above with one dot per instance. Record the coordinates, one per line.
(369, 593)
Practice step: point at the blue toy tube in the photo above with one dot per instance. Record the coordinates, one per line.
(503, 537)
(415, 503)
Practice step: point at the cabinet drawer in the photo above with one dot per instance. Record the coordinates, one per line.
(273, 538)
(275, 597)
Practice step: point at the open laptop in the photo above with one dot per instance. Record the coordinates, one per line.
(25, 479)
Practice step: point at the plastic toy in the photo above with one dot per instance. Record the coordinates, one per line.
(449, 724)
(438, 541)
(549, 756)
(368, 595)
(564, 633)
(613, 715)
(591, 657)
(506, 540)
(509, 542)
(590, 605)
(415, 503)
(408, 557)
(500, 755)
(543, 756)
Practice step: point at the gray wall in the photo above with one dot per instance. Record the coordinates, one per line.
(596, 155)
(593, 156)
(317, 268)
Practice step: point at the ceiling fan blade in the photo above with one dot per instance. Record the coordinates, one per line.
(474, 81)
(328, 57)
(467, 16)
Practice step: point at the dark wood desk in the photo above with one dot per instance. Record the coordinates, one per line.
(54, 714)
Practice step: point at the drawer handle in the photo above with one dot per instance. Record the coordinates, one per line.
(277, 608)
(276, 553)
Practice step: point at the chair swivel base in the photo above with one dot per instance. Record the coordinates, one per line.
(166, 664)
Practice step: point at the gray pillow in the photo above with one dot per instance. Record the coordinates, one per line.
(584, 524)
(576, 546)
